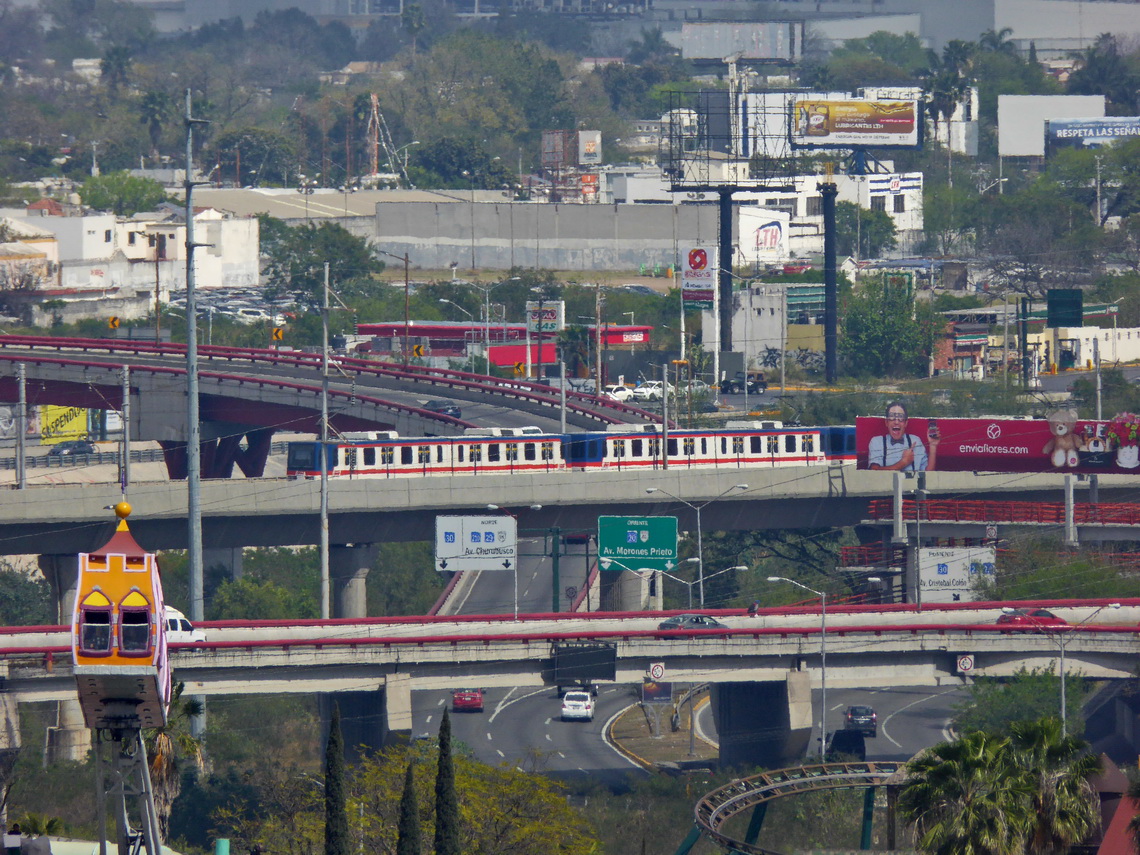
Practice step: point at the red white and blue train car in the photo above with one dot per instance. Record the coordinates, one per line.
(516, 451)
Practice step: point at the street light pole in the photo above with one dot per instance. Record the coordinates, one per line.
(1061, 640)
(700, 545)
(822, 656)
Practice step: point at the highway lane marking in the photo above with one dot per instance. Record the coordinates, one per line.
(501, 754)
(508, 700)
(883, 727)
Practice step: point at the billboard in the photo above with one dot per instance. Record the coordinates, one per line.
(548, 316)
(589, 148)
(949, 575)
(58, 424)
(763, 235)
(1089, 133)
(1021, 119)
(1059, 443)
(846, 123)
(559, 149)
(698, 277)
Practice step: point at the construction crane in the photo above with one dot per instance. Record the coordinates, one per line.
(379, 136)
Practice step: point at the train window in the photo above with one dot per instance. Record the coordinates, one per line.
(439, 454)
(754, 444)
(809, 443)
(790, 443)
(690, 446)
(462, 451)
(738, 445)
(423, 454)
(493, 451)
(619, 448)
(350, 458)
(476, 453)
(387, 455)
(134, 631)
(548, 451)
(672, 447)
(704, 446)
(405, 454)
(95, 636)
(512, 451)
(723, 444)
(773, 445)
(302, 455)
(528, 450)
(637, 448)
(369, 456)
(655, 448)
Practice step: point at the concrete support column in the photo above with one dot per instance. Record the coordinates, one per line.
(62, 573)
(69, 739)
(348, 568)
(370, 720)
(764, 724)
(632, 592)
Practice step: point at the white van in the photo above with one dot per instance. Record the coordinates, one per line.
(179, 630)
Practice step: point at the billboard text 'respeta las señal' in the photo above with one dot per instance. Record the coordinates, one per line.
(842, 123)
(1059, 443)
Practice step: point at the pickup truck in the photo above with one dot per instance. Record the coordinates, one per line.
(735, 385)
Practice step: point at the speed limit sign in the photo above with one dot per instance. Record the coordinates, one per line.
(965, 664)
(656, 670)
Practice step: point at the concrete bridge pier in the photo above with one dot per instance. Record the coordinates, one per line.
(370, 720)
(69, 738)
(764, 724)
(348, 566)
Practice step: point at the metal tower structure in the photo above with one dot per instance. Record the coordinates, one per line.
(379, 136)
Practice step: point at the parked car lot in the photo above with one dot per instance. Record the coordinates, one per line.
(690, 622)
(651, 390)
(618, 392)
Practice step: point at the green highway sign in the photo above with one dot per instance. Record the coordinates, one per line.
(633, 543)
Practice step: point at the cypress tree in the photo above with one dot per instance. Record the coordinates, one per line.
(446, 799)
(336, 816)
(408, 829)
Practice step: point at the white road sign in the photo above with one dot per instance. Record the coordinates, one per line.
(476, 543)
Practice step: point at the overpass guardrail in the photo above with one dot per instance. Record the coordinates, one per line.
(972, 510)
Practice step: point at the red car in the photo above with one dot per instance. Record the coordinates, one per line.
(1030, 617)
(467, 700)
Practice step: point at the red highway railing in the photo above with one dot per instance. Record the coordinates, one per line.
(576, 401)
(970, 510)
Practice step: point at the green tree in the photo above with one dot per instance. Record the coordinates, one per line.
(1066, 808)
(995, 705)
(121, 193)
(408, 830)
(967, 798)
(295, 258)
(169, 749)
(336, 818)
(885, 333)
(249, 599)
(948, 218)
(1106, 70)
(447, 830)
(115, 67)
(24, 600)
(155, 110)
(413, 21)
(863, 233)
(574, 347)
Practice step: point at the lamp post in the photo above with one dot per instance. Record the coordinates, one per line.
(516, 567)
(700, 546)
(407, 296)
(470, 317)
(306, 186)
(822, 655)
(1061, 638)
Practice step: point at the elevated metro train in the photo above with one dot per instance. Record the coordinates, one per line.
(509, 451)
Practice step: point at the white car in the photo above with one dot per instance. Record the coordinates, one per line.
(618, 392)
(650, 390)
(577, 706)
(179, 630)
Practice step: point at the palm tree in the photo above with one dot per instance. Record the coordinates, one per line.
(167, 748)
(115, 67)
(1065, 806)
(154, 110)
(574, 345)
(968, 798)
(997, 42)
(944, 86)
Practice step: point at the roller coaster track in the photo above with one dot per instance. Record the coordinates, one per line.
(715, 809)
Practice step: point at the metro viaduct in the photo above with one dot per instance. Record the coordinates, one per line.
(762, 677)
(263, 391)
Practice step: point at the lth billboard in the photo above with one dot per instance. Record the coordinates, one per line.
(1059, 443)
